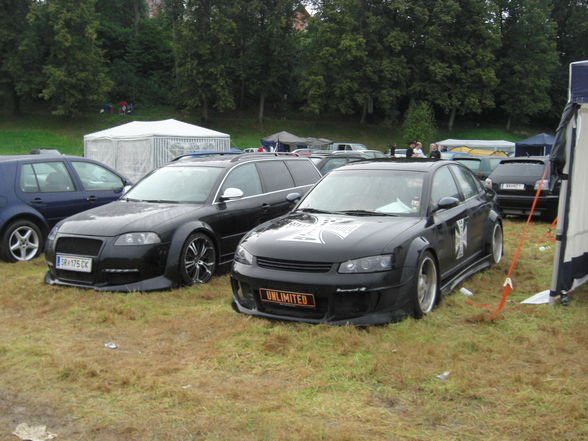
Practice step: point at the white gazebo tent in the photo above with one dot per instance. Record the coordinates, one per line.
(136, 148)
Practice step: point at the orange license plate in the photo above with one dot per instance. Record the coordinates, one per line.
(287, 298)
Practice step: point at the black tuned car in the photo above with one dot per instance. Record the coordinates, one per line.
(177, 224)
(372, 242)
(516, 181)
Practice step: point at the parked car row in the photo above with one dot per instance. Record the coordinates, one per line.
(363, 241)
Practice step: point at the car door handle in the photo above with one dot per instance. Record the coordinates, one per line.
(37, 201)
(91, 198)
(265, 206)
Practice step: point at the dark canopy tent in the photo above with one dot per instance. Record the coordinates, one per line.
(570, 154)
(538, 145)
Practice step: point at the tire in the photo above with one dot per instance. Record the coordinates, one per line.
(496, 243)
(197, 259)
(21, 241)
(426, 286)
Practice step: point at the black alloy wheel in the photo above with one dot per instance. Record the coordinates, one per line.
(198, 259)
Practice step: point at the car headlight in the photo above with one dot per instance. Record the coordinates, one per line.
(53, 233)
(243, 256)
(371, 264)
(143, 238)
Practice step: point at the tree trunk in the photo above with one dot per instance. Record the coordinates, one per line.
(364, 112)
(508, 122)
(204, 110)
(136, 17)
(451, 119)
(261, 108)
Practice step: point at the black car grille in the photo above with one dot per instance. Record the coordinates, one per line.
(78, 245)
(294, 265)
(75, 276)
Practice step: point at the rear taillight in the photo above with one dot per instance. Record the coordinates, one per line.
(545, 185)
(488, 183)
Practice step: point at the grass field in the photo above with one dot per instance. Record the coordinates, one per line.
(187, 367)
(41, 130)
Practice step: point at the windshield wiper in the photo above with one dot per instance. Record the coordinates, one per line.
(314, 210)
(159, 201)
(365, 213)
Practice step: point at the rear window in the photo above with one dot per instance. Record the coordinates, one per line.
(275, 175)
(303, 172)
(473, 164)
(520, 168)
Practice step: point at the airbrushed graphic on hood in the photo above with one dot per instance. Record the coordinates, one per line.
(313, 232)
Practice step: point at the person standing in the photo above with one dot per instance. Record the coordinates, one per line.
(418, 151)
(410, 149)
(434, 151)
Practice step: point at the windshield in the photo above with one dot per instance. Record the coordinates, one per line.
(377, 192)
(176, 184)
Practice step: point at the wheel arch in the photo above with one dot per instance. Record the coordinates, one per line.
(179, 237)
(28, 216)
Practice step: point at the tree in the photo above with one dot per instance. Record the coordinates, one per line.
(12, 23)
(73, 68)
(419, 123)
(527, 57)
(352, 60)
(206, 55)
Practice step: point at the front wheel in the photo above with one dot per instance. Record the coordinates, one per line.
(426, 288)
(198, 259)
(21, 241)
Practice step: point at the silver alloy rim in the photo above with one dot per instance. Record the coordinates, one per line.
(199, 260)
(427, 285)
(24, 243)
(497, 243)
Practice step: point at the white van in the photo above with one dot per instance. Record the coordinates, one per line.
(346, 146)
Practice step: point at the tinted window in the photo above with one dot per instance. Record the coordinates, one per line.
(275, 175)
(46, 177)
(443, 186)
(333, 163)
(466, 180)
(472, 164)
(245, 178)
(520, 168)
(96, 177)
(304, 172)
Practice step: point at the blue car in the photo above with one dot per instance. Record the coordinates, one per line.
(37, 191)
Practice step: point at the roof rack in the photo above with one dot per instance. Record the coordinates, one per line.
(245, 156)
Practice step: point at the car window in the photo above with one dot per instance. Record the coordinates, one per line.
(275, 175)
(95, 177)
(443, 186)
(191, 184)
(472, 163)
(245, 178)
(333, 163)
(520, 168)
(46, 177)
(304, 172)
(467, 181)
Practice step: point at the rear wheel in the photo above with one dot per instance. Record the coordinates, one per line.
(426, 287)
(198, 259)
(21, 241)
(497, 243)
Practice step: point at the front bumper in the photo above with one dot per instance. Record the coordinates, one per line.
(114, 268)
(356, 299)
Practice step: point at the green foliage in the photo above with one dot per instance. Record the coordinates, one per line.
(419, 124)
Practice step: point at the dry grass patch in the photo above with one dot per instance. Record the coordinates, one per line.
(189, 368)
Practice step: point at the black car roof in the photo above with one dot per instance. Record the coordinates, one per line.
(227, 160)
(414, 164)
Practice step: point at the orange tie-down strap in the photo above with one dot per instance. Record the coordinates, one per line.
(507, 286)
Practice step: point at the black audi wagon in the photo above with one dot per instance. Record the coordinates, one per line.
(372, 242)
(177, 224)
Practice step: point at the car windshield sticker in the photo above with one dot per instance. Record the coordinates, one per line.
(461, 238)
(313, 233)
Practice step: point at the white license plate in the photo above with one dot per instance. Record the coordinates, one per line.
(512, 186)
(73, 263)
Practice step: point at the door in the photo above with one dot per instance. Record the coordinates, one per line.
(100, 185)
(48, 187)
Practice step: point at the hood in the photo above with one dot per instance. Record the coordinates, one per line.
(326, 237)
(123, 217)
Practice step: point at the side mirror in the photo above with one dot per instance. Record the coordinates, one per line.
(448, 202)
(293, 197)
(232, 194)
(125, 189)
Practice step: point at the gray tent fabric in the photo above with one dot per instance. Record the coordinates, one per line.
(537, 145)
(285, 138)
(570, 153)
